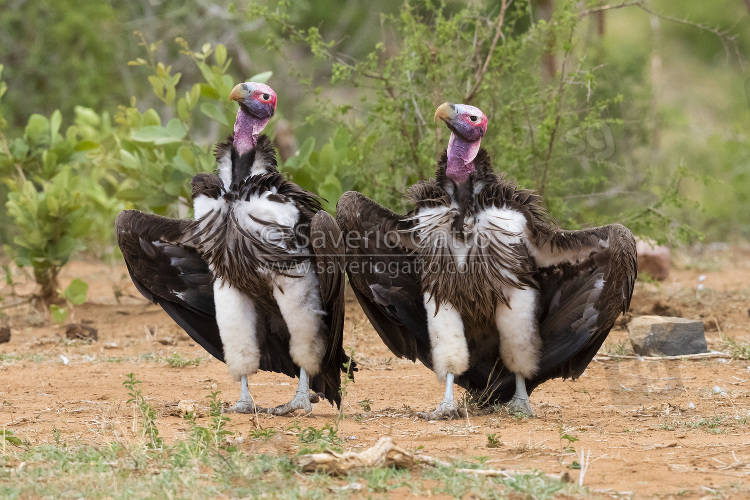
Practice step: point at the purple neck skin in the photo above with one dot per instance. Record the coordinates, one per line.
(246, 131)
(461, 154)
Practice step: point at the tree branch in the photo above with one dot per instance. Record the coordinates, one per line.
(479, 76)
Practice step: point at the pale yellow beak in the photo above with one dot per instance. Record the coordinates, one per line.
(238, 93)
(445, 112)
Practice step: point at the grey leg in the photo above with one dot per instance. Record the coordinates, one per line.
(447, 409)
(302, 398)
(245, 403)
(520, 402)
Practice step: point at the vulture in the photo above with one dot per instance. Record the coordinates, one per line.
(477, 283)
(257, 277)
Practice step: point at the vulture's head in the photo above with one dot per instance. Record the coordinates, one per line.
(467, 122)
(256, 99)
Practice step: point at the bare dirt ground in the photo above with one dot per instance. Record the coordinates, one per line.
(650, 428)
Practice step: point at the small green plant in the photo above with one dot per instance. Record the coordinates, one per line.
(617, 347)
(146, 412)
(10, 438)
(366, 405)
(565, 436)
(73, 295)
(711, 425)
(263, 434)
(738, 350)
(176, 360)
(381, 479)
(212, 437)
(493, 441)
(318, 440)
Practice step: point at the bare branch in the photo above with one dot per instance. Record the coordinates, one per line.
(479, 76)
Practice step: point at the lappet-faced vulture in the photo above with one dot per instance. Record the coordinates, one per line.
(257, 277)
(477, 283)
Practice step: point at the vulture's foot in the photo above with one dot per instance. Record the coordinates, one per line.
(243, 406)
(301, 401)
(520, 405)
(447, 410)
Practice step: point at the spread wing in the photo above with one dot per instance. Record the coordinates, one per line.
(383, 273)
(586, 279)
(170, 273)
(328, 246)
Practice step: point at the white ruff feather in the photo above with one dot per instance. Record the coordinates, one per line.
(520, 344)
(203, 205)
(299, 300)
(225, 169)
(450, 353)
(263, 209)
(236, 317)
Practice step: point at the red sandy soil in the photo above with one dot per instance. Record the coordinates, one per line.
(648, 427)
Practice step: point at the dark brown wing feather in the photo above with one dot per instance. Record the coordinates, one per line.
(330, 254)
(384, 276)
(583, 298)
(170, 273)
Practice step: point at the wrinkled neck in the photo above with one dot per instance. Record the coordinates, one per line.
(246, 131)
(461, 154)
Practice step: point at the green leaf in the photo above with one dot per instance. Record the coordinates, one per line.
(215, 112)
(151, 117)
(154, 134)
(59, 314)
(36, 128)
(54, 126)
(86, 145)
(221, 54)
(8, 435)
(261, 77)
(176, 128)
(76, 291)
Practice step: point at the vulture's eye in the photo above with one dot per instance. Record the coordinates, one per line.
(473, 118)
(266, 97)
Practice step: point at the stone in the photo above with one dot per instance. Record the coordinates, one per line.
(653, 260)
(4, 334)
(667, 336)
(76, 331)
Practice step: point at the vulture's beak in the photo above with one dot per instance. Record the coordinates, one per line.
(446, 112)
(238, 93)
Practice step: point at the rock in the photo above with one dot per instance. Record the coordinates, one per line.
(182, 408)
(76, 331)
(666, 336)
(653, 260)
(4, 334)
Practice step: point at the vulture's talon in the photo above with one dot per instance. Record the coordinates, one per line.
(315, 397)
(520, 405)
(244, 407)
(299, 402)
(445, 411)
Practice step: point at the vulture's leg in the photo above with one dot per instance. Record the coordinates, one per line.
(520, 402)
(450, 354)
(302, 398)
(520, 344)
(237, 320)
(245, 404)
(299, 301)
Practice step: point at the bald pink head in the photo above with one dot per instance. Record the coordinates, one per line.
(257, 106)
(467, 125)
